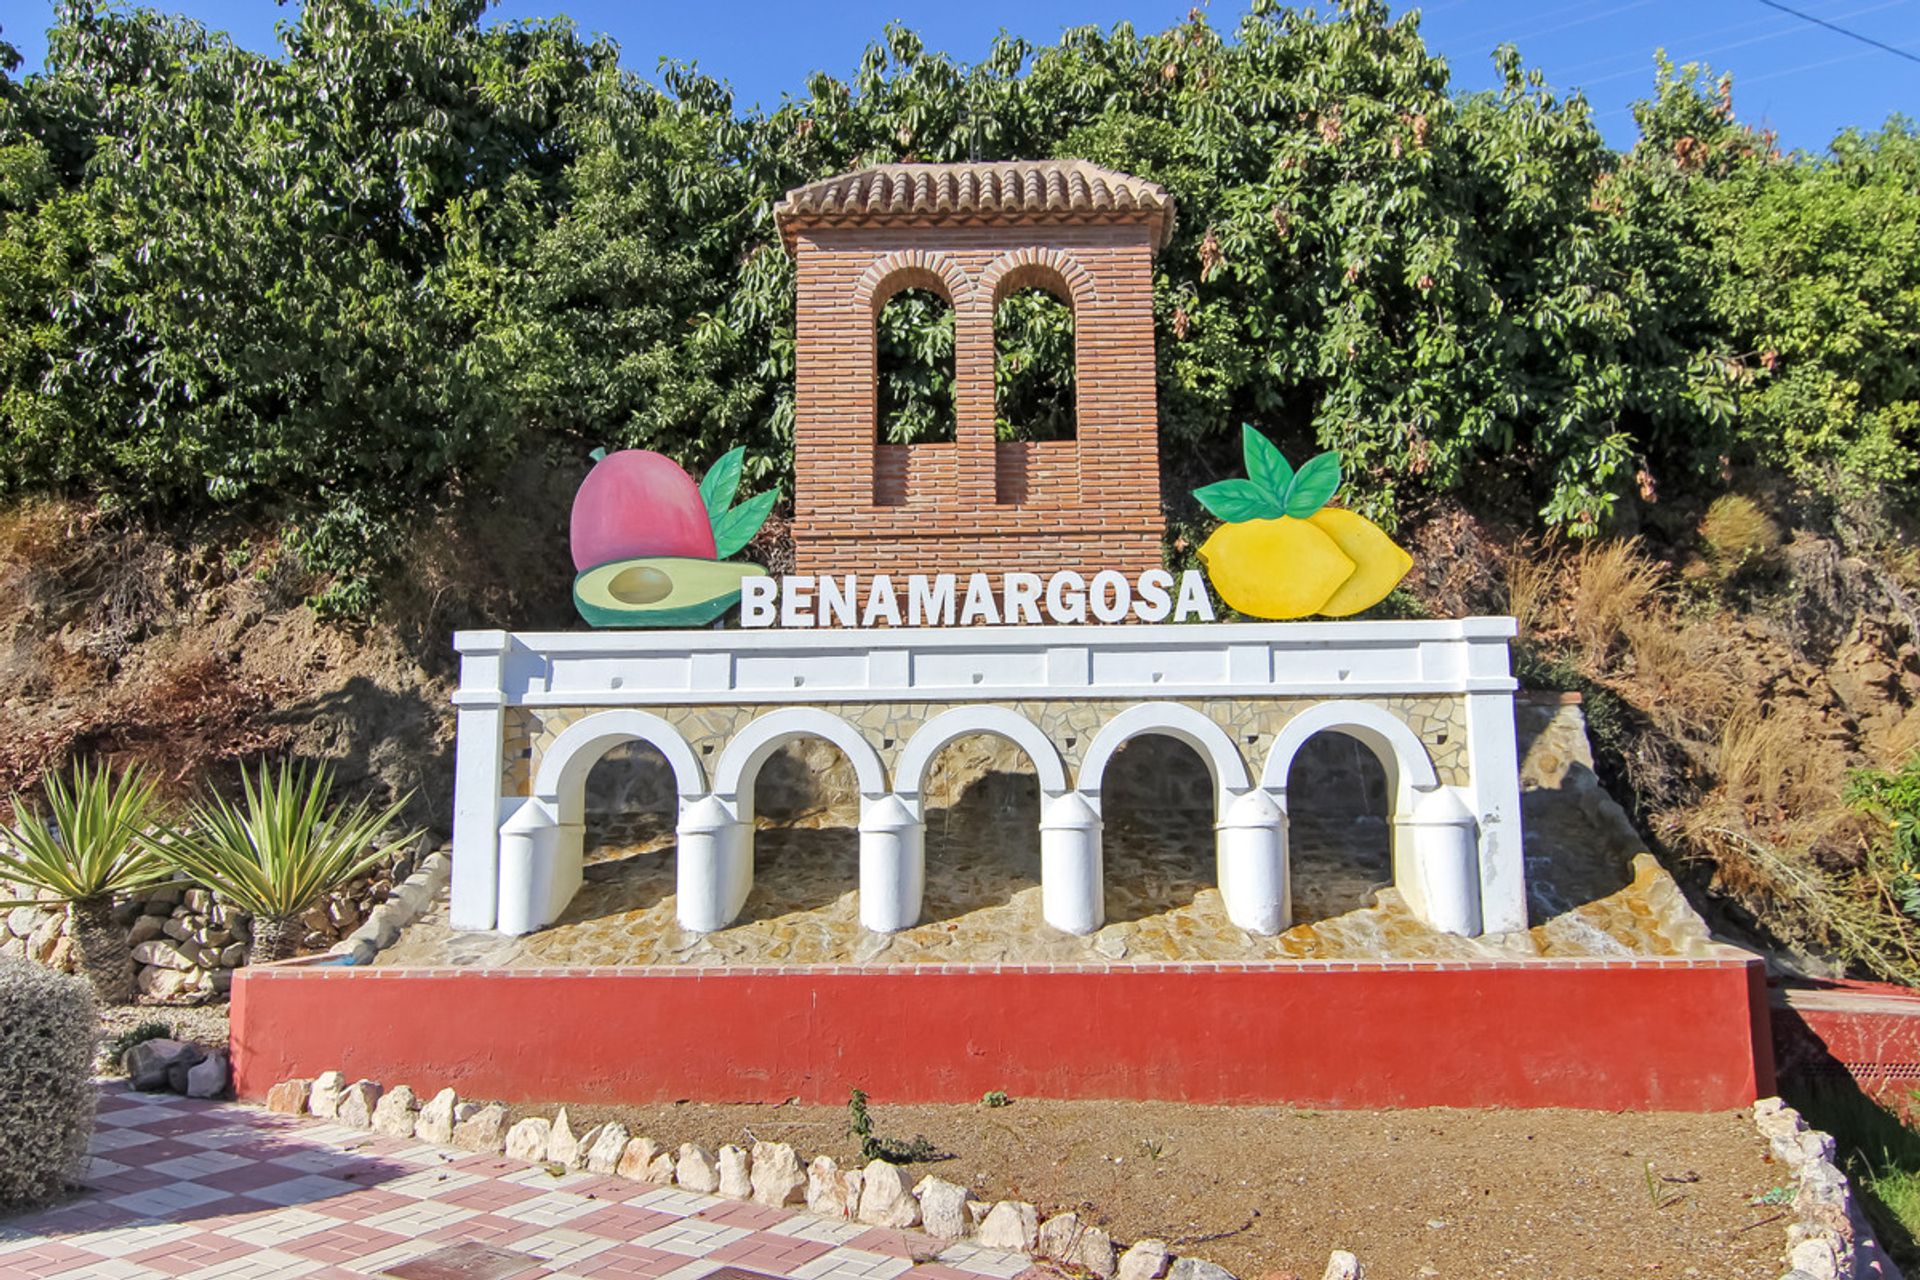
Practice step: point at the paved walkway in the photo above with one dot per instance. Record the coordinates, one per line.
(219, 1191)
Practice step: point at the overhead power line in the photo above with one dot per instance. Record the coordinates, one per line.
(1895, 50)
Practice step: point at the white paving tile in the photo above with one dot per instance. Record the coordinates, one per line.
(200, 1164)
(964, 1256)
(374, 1264)
(308, 1188)
(851, 1264)
(562, 1247)
(268, 1264)
(110, 1269)
(117, 1242)
(675, 1201)
(419, 1218)
(551, 1209)
(431, 1183)
(691, 1237)
(278, 1228)
(824, 1230)
(161, 1202)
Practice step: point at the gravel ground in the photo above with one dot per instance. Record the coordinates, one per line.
(1268, 1192)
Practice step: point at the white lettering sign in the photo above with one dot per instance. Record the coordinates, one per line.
(1013, 599)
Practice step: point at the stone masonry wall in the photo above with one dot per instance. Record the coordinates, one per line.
(804, 775)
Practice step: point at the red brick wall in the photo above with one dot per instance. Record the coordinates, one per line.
(1089, 504)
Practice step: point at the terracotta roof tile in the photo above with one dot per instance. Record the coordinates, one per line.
(1016, 190)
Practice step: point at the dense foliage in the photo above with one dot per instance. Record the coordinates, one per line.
(340, 283)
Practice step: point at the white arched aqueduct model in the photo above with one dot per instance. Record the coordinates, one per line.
(518, 848)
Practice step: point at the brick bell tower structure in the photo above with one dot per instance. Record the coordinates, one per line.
(973, 234)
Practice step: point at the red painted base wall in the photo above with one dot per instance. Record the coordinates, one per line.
(1662, 1034)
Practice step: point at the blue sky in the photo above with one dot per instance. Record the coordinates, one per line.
(1805, 81)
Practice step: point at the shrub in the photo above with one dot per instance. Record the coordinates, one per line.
(46, 1080)
(88, 844)
(275, 854)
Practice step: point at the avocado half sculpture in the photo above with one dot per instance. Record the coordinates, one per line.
(651, 546)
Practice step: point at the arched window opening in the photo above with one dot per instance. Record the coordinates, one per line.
(913, 364)
(1033, 367)
(982, 807)
(806, 840)
(631, 804)
(1339, 835)
(1157, 814)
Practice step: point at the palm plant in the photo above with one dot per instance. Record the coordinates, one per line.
(88, 844)
(276, 853)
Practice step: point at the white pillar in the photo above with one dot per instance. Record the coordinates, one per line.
(1493, 760)
(526, 869)
(713, 866)
(479, 759)
(893, 865)
(1251, 857)
(1072, 884)
(1440, 877)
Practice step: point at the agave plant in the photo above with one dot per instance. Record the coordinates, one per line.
(276, 853)
(86, 843)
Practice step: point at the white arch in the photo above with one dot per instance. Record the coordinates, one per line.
(741, 760)
(910, 774)
(1408, 765)
(1176, 720)
(565, 764)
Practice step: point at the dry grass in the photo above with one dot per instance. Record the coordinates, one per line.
(1739, 534)
(1532, 572)
(1612, 584)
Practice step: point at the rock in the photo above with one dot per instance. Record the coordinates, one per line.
(1095, 1251)
(435, 1123)
(198, 901)
(21, 921)
(735, 1181)
(177, 928)
(1064, 1238)
(464, 1111)
(563, 1148)
(325, 1098)
(885, 1200)
(943, 1207)
(208, 1077)
(977, 1211)
(1818, 1258)
(635, 1157)
(484, 1131)
(149, 1062)
(357, 1102)
(1146, 1260)
(695, 1169)
(827, 1190)
(1059, 1237)
(1197, 1269)
(1013, 1224)
(394, 1116)
(607, 1148)
(660, 1170)
(233, 955)
(41, 941)
(1342, 1265)
(144, 929)
(778, 1180)
(220, 980)
(585, 1145)
(527, 1140)
(61, 956)
(289, 1097)
(163, 984)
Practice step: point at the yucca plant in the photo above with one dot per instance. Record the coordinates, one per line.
(86, 843)
(276, 853)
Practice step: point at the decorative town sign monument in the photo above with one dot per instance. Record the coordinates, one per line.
(981, 586)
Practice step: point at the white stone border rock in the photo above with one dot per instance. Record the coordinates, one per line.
(408, 901)
(772, 1174)
(1829, 1238)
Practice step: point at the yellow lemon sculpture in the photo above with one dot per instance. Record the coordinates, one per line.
(1282, 552)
